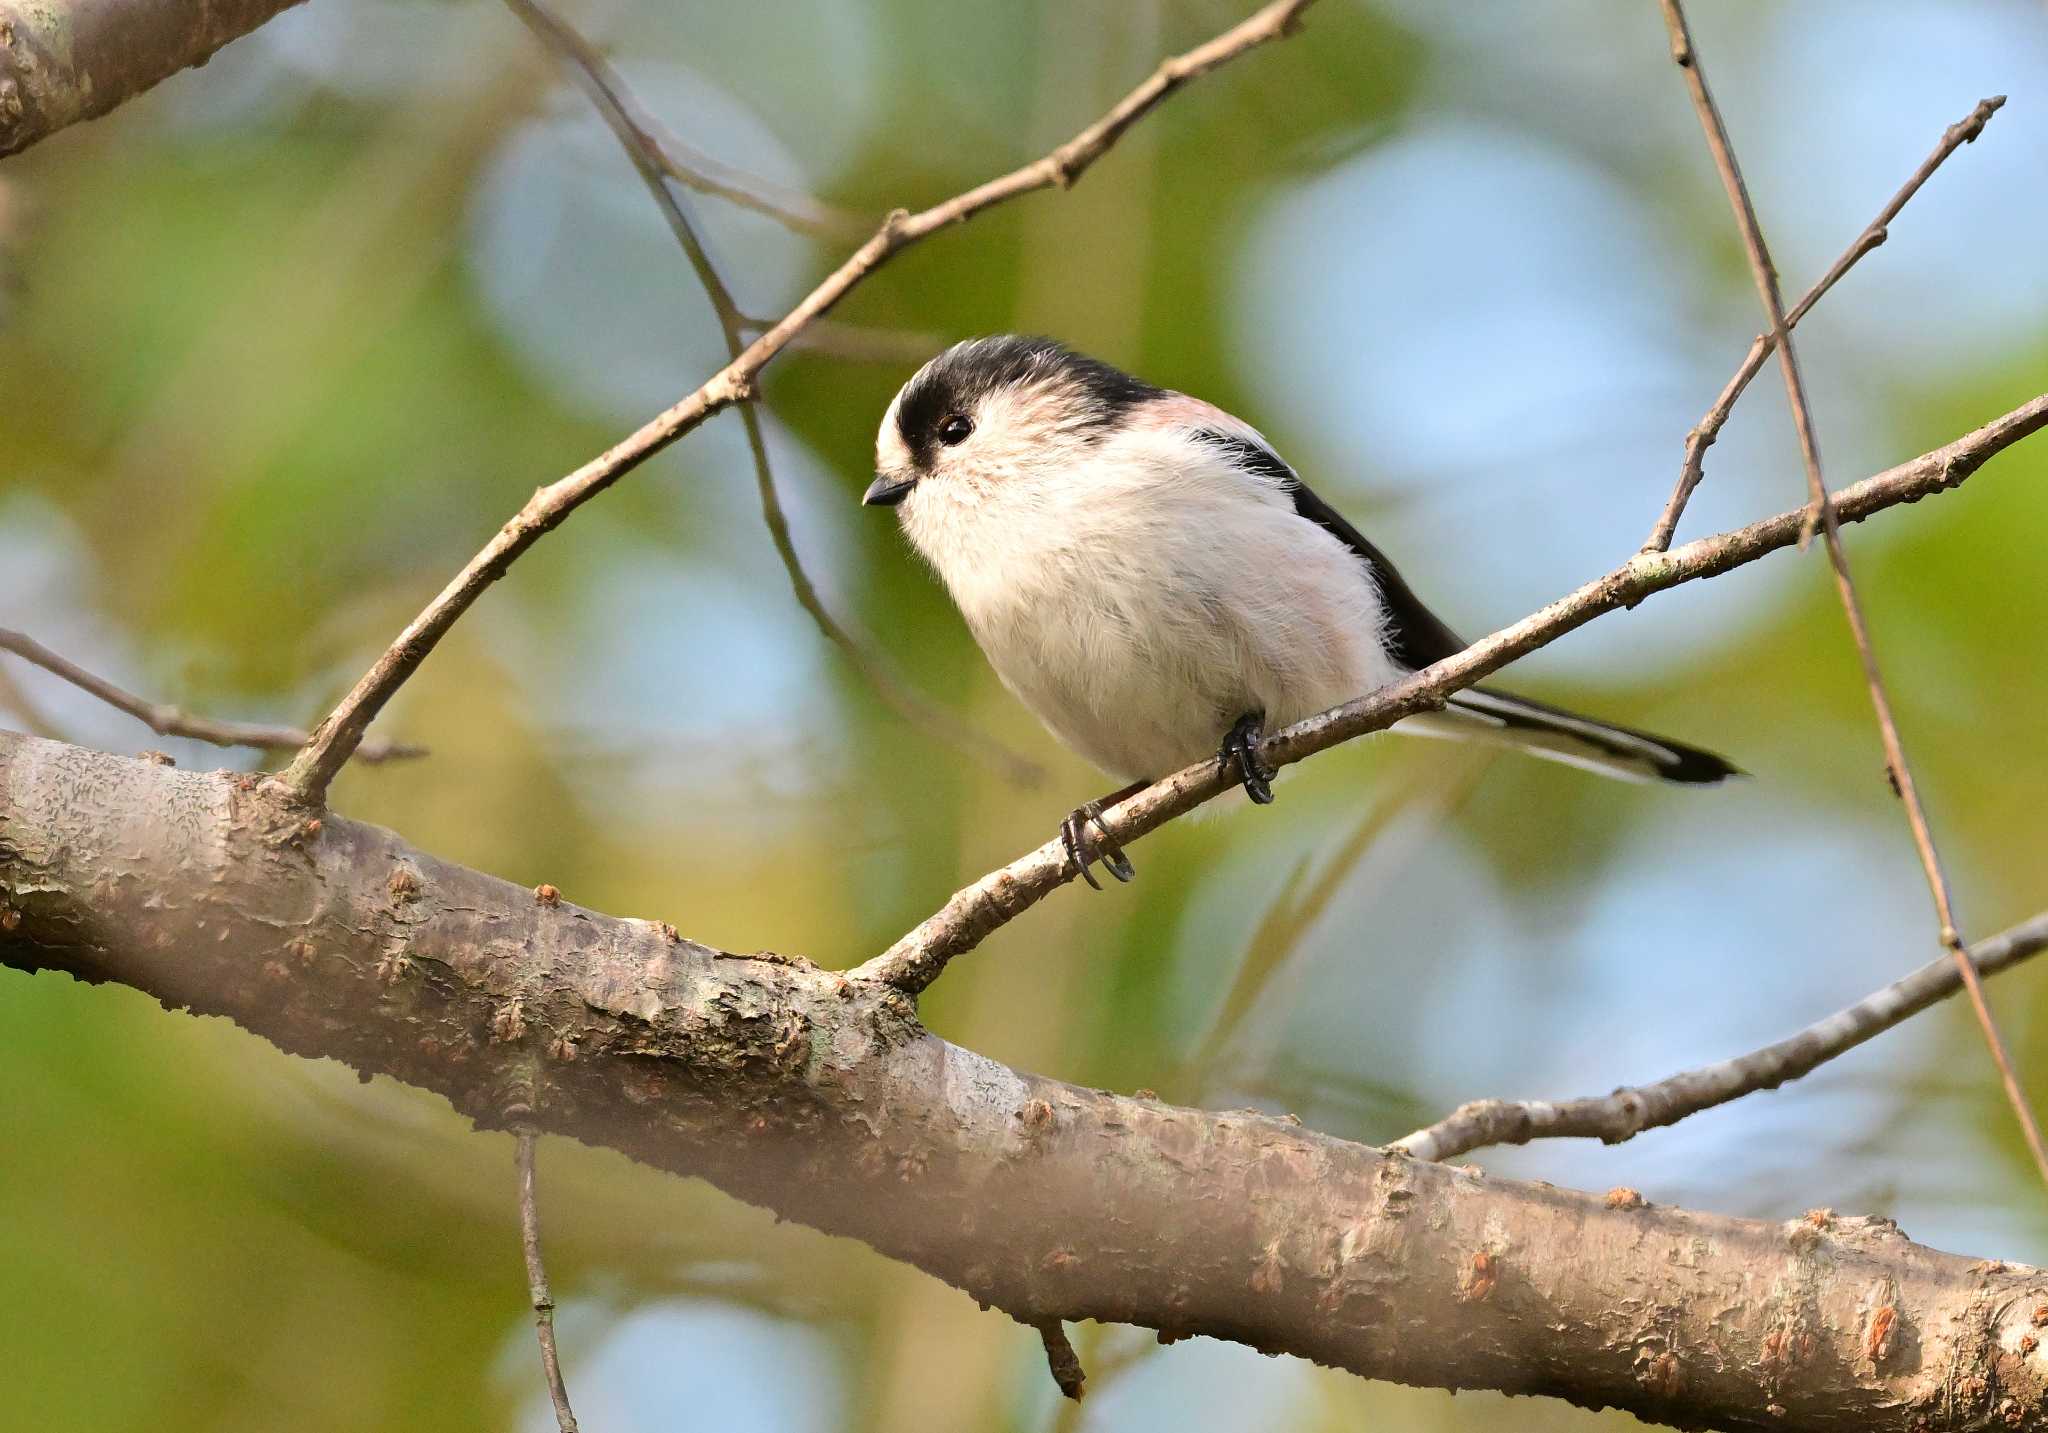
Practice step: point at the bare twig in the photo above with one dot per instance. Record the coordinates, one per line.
(537, 1285)
(615, 102)
(652, 140)
(991, 902)
(1060, 1358)
(853, 344)
(167, 720)
(1629, 1111)
(1875, 233)
(1821, 516)
(314, 768)
(790, 208)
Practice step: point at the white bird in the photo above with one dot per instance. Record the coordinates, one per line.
(1158, 587)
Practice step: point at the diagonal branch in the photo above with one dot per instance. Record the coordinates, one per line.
(1702, 437)
(167, 720)
(851, 343)
(1822, 516)
(616, 104)
(315, 766)
(1002, 895)
(1629, 1111)
(650, 142)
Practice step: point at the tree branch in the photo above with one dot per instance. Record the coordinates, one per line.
(1821, 517)
(853, 344)
(167, 720)
(647, 139)
(824, 1099)
(62, 61)
(315, 766)
(624, 115)
(1002, 895)
(1702, 437)
(537, 1286)
(1629, 1111)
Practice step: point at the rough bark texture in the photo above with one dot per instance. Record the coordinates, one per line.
(826, 1100)
(62, 61)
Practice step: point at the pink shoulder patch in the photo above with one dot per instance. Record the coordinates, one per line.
(1179, 410)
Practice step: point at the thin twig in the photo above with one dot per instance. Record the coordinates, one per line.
(1702, 437)
(1060, 1358)
(314, 768)
(615, 103)
(537, 1285)
(1629, 1111)
(1821, 515)
(854, 344)
(790, 208)
(166, 720)
(682, 162)
(1002, 895)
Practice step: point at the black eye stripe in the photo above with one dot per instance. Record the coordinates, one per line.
(965, 374)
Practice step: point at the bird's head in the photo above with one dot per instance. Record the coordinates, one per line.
(990, 412)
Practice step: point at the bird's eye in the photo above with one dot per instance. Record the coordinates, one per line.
(954, 428)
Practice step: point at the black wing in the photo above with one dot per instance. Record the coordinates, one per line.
(1417, 636)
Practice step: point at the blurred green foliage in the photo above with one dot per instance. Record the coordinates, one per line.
(261, 408)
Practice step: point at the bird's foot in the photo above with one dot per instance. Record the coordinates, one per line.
(1084, 847)
(1241, 751)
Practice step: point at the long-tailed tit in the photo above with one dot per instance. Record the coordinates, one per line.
(1158, 587)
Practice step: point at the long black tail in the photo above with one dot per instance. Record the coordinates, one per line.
(1558, 735)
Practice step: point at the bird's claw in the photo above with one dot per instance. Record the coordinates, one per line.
(1082, 848)
(1241, 750)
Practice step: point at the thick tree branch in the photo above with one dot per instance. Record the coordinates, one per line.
(1821, 518)
(1629, 1111)
(167, 720)
(1702, 437)
(315, 767)
(1002, 895)
(825, 1099)
(62, 61)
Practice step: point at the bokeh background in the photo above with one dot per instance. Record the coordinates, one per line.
(284, 341)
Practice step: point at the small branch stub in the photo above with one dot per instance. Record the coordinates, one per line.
(1060, 1358)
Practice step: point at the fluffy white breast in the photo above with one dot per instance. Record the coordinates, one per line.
(1140, 593)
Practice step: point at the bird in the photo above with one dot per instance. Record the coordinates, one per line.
(1148, 576)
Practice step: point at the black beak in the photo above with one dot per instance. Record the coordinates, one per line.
(887, 490)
